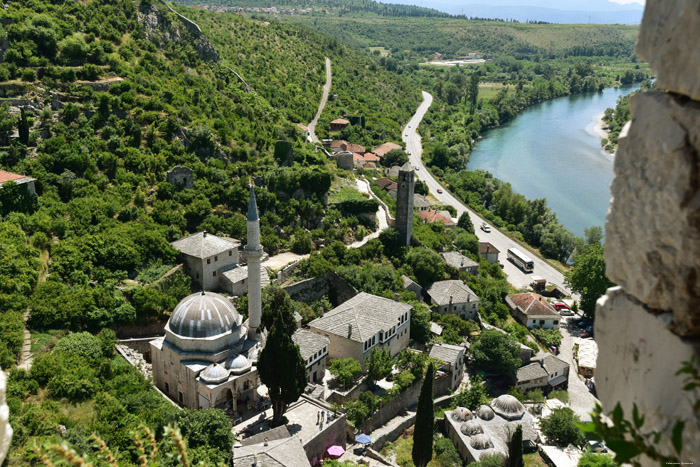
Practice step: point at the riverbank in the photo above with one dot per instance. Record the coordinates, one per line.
(600, 128)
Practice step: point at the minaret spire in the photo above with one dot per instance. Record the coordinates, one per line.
(254, 253)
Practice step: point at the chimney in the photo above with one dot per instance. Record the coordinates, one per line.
(397, 297)
(344, 146)
(204, 234)
(349, 329)
(265, 441)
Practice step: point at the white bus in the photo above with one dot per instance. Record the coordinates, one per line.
(521, 260)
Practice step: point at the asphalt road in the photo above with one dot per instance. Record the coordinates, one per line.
(322, 104)
(515, 276)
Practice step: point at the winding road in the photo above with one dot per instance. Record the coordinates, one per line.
(324, 97)
(515, 276)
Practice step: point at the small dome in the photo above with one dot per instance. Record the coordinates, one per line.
(471, 428)
(485, 412)
(214, 373)
(204, 314)
(508, 406)
(481, 442)
(238, 364)
(462, 414)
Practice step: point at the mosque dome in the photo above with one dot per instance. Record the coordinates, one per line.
(462, 414)
(238, 364)
(471, 428)
(204, 314)
(485, 412)
(214, 373)
(508, 406)
(481, 442)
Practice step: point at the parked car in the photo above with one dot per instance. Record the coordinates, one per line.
(440, 190)
(584, 335)
(566, 312)
(561, 306)
(485, 227)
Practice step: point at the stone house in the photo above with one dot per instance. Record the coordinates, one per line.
(383, 149)
(460, 262)
(363, 323)
(412, 286)
(488, 252)
(452, 358)
(314, 351)
(181, 177)
(453, 296)
(431, 216)
(420, 203)
(546, 373)
(338, 124)
(28, 182)
(533, 311)
(205, 256)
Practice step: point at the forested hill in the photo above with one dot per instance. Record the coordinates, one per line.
(336, 7)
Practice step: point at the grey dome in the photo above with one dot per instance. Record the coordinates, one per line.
(462, 414)
(238, 364)
(214, 373)
(481, 442)
(471, 428)
(485, 412)
(508, 406)
(204, 314)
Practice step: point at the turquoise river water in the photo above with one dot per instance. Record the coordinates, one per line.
(551, 150)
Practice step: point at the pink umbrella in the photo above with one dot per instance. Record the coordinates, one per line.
(335, 451)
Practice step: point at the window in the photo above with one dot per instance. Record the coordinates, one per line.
(213, 273)
(180, 396)
(216, 258)
(541, 322)
(208, 260)
(167, 388)
(556, 322)
(230, 253)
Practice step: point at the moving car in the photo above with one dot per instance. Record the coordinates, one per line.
(485, 227)
(440, 190)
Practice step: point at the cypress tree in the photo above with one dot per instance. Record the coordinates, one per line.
(425, 421)
(23, 128)
(515, 448)
(281, 368)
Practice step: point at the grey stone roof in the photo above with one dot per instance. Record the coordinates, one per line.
(364, 314)
(435, 328)
(309, 342)
(286, 452)
(447, 353)
(204, 314)
(458, 260)
(204, 245)
(553, 364)
(530, 372)
(240, 273)
(407, 167)
(419, 201)
(441, 292)
(252, 206)
(407, 282)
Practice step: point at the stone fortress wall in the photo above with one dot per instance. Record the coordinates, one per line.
(649, 324)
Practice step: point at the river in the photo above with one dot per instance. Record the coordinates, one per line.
(551, 150)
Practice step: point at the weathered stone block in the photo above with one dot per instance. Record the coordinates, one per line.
(181, 177)
(669, 41)
(637, 361)
(652, 246)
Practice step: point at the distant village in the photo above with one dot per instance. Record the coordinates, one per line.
(267, 10)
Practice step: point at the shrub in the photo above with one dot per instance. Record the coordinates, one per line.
(561, 427)
(559, 394)
(345, 370)
(82, 344)
(548, 337)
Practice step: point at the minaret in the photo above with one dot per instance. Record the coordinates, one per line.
(253, 252)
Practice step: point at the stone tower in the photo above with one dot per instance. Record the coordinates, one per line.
(253, 252)
(404, 204)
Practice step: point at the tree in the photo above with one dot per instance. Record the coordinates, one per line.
(276, 300)
(561, 427)
(465, 222)
(515, 448)
(473, 94)
(588, 278)
(473, 397)
(420, 323)
(495, 351)
(394, 157)
(345, 370)
(591, 459)
(209, 427)
(379, 365)
(23, 127)
(425, 422)
(281, 368)
(426, 264)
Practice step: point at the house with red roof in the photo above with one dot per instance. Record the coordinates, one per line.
(383, 149)
(338, 124)
(19, 180)
(533, 310)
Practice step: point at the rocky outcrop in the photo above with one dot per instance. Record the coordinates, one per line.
(648, 326)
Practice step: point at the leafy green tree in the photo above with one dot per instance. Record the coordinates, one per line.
(420, 323)
(561, 427)
(515, 448)
(281, 368)
(345, 370)
(588, 278)
(495, 351)
(207, 428)
(379, 365)
(465, 222)
(591, 459)
(426, 264)
(473, 397)
(489, 460)
(394, 157)
(82, 344)
(276, 300)
(535, 396)
(473, 93)
(425, 422)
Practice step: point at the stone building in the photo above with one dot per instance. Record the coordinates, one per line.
(455, 297)
(28, 182)
(404, 204)
(363, 323)
(452, 358)
(546, 373)
(314, 351)
(181, 177)
(205, 256)
(488, 252)
(460, 262)
(411, 285)
(533, 311)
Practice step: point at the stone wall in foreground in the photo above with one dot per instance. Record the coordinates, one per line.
(650, 324)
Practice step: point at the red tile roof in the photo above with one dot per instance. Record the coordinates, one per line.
(356, 148)
(338, 143)
(382, 150)
(8, 176)
(340, 121)
(384, 182)
(533, 304)
(486, 247)
(431, 216)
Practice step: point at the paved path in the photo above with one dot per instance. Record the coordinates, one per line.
(322, 104)
(363, 187)
(515, 276)
(580, 398)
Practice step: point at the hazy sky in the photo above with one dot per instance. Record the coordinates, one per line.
(624, 2)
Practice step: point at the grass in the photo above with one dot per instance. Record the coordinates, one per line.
(533, 460)
(382, 51)
(490, 90)
(346, 193)
(43, 341)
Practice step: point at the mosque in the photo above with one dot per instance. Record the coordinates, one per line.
(208, 355)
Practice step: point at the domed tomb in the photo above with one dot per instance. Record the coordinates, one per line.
(204, 314)
(214, 373)
(462, 414)
(471, 428)
(481, 442)
(485, 412)
(508, 406)
(238, 364)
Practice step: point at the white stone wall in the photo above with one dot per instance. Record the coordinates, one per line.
(648, 325)
(5, 428)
